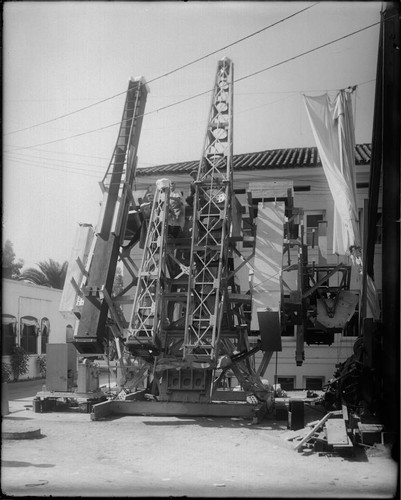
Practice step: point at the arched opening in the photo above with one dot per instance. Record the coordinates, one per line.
(29, 331)
(8, 333)
(69, 333)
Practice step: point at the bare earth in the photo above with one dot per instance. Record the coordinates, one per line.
(169, 456)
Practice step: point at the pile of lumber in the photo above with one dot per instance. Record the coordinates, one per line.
(329, 433)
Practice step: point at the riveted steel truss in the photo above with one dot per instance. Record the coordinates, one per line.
(147, 311)
(211, 225)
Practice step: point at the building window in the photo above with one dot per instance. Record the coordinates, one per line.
(8, 333)
(29, 334)
(286, 383)
(312, 227)
(314, 383)
(69, 333)
(45, 331)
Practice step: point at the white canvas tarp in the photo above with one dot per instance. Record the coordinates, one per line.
(333, 129)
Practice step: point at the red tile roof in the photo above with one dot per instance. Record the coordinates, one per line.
(263, 160)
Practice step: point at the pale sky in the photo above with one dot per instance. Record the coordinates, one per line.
(59, 57)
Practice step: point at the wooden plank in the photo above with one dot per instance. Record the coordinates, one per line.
(349, 444)
(82, 244)
(271, 189)
(336, 432)
(316, 427)
(268, 260)
(370, 427)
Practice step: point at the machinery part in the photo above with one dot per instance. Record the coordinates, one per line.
(188, 310)
(147, 313)
(117, 186)
(211, 226)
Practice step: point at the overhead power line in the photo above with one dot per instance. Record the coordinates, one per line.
(58, 168)
(307, 52)
(168, 73)
(176, 103)
(23, 156)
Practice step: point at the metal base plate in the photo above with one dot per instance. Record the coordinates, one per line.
(174, 409)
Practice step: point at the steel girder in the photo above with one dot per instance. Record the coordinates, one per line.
(147, 314)
(211, 225)
(98, 275)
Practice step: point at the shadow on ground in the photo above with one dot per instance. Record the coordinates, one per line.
(18, 463)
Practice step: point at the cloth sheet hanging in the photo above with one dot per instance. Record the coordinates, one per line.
(333, 129)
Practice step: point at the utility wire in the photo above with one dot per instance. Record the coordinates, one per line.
(234, 43)
(168, 73)
(306, 52)
(71, 170)
(74, 164)
(42, 158)
(209, 90)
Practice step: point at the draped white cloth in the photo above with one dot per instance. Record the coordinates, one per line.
(8, 319)
(30, 321)
(333, 129)
(45, 325)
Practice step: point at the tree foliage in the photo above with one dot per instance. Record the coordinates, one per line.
(118, 284)
(50, 273)
(10, 267)
(19, 361)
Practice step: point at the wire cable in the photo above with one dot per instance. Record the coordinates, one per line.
(168, 73)
(206, 91)
(307, 52)
(58, 168)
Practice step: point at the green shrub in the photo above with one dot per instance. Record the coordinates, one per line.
(19, 361)
(42, 364)
(5, 372)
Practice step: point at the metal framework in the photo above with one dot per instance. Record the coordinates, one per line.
(211, 225)
(98, 272)
(147, 311)
(188, 321)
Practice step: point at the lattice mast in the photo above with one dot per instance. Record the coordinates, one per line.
(211, 225)
(147, 314)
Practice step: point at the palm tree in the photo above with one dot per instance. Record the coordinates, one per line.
(50, 273)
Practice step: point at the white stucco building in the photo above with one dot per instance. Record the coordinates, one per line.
(31, 319)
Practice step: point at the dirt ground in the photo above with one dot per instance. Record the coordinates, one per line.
(168, 456)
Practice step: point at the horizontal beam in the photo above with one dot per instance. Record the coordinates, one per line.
(173, 409)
